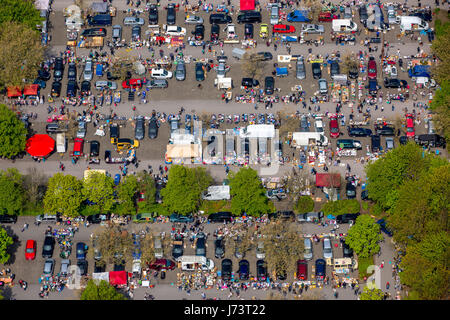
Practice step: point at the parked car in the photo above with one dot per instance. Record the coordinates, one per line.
(72, 88)
(49, 266)
(199, 32)
(312, 28)
(359, 132)
(85, 88)
(133, 21)
(308, 253)
(384, 228)
(350, 190)
(248, 31)
(153, 15)
(161, 73)
(174, 125)
(44, 74)
(30, 250)
(175, 31)
(389, 143)
(327, 249)
(318, 124)
(136, 33)
(300, 69)
(249, 83)
(177, 250)
(219, 18)
(215, 32)
(72, 71)
(347, 251)
(227, 269)
(372, 68)
(175, 217)
(347, 217)
(81, 132)
(261, 270)
(320, 269)
(269, 85)
(410, 131)
(334, 68)
(98, 218)
(94, 148)
(244, 270)
(171, 14)
(302, 270)
(219, 248)
(323, 86)
(199, 72)
(162, 264)
(8, 218)
(316, 70)
(260, 253)
(48, 247)
(56, 89)
(200, 247)
(334, 127)
(58, 69)
(153, 128)
(117, 32)
(64, 270)
(81, 250)
(220, 217)
(139, 131)
(103, 84)
(191, 19)
(88, 70)
(264, 56)
(283, 28)
(83, 266)
(376, 143)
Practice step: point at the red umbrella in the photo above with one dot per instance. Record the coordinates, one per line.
(40, 145)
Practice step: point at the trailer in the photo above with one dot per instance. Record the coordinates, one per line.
(94, 42)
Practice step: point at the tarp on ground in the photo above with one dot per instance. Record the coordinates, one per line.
(31, 90)
(183, 151)
(14, 92)
(99, 276)
(40, 145)
(247, 5)
(328, 180)
(118, 278)
(99, 7)
(258, 131)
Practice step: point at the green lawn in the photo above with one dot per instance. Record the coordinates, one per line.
(363, 264)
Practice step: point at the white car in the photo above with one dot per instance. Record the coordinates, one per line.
(88, 70)
(193, 20)
(221, 69)
(231, 31)
(260, 254)
(133, 21)
(81, 133)
(175, 31)
(312, 28)
(161, 74)
(318, 124)
(103, 84)
(327, 249)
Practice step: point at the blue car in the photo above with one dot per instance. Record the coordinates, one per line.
(383, 227)
(117, 179)
(419, 71)
(99, 70)
(298, 16)
(175, 217)
(81, 250)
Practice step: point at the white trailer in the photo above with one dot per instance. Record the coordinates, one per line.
(61, 143)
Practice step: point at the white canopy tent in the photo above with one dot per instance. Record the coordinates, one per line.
(258, 131)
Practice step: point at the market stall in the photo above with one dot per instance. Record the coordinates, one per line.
(40, 145)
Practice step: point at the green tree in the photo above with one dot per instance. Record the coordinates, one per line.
(63, 195)
(114, 244)
(182, 193)
(386, 175)
(126, 194)
(248, 194)
(372, 294)
(5, 242)
(11, 192)
(424, 205)
(363, 236)
(339, 207)
(425, 267)
(99, 189)
(146, 186)
(20, 11)
(101, 291)
(13, 134)
(20, 56)
(304, 204)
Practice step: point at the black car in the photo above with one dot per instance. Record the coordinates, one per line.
(85, 87)
(171, 14)
(244, 269)
(281, 275)
(424, 15)
(200, 246)
(347, 251)
(219, 18)
(395, 83)
(58, 70)
(139, 131)
(44, 74)
(248, 31)
(111, 76)
(98, 218)
(94, 32)
(320, 269)
(249, 17)
(152, 128)
(261, 270)
(136, 33)
(8, 218)
(383, 227)
(249, 83)
(219, 248)
(199, 32)
(346, 217)
(56, 89)
(177, 250)
(94, 148)
(220, 217)
(83, 265)
(227, 267)
(334, 68)
(99, 267)
(48, 247)
(72, 88)
(215, 31)
(199, 72)
(153, 14)
(363, 16)
(269, 85)
(373, 86)
(265, 56)
(353, 72)
(72, 71)
(432, 140)
(350, 190)
(359, 132)
(114, 131)
(376, 143)
(385, 131)
(316, 71)
(364, 195)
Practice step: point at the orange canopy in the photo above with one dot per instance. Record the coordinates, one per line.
(14, 92)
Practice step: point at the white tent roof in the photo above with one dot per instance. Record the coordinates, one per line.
(183, 150)
(182, 138)
(73, 10)
(258, 131)
(97, 277)
(100, 7)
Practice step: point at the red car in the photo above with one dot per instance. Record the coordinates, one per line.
(78, 148)
(133, 83)
(283, 28)
(326, 17)
(334, 127)
(410, 131)
(372, 68)
(160, 264)
(302, 270)
(30, 250)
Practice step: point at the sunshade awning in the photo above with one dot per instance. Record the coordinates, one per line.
(40, 145)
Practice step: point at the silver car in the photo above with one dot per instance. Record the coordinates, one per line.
(65, 263)
(133, 21)
(88, 70)
(81, 133)
(193, 20)
(103, 84)
(117, 32)
(323, 86)
(180, 71)
(49, 265)
(260, 254)
(327, 249)
(139, 132)
(313, 28)
(308, 254)
(300, 69)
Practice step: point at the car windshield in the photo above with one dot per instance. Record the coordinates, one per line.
(334, 130)
(30, 250)
(47, 247)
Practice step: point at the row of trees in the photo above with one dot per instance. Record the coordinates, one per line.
(411, 186)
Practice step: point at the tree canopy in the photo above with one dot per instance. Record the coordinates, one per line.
(63, 195)
(304, 204)
(182, 193)
(339, 207)
(114, 244)
(20, 56)
(5, 242)
(20, 11)
(101, 291)
(13, 133)
(98, 189)
(146, 185)
(248, 194)
(363, 236)
(12, 194)
(126, 194)
(372, 294)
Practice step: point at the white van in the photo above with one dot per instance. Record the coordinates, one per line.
(344, 25)
(411, 23)
(274, 14)
(161, 74)
(192, 263)
(158, 248)
(61, 142)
